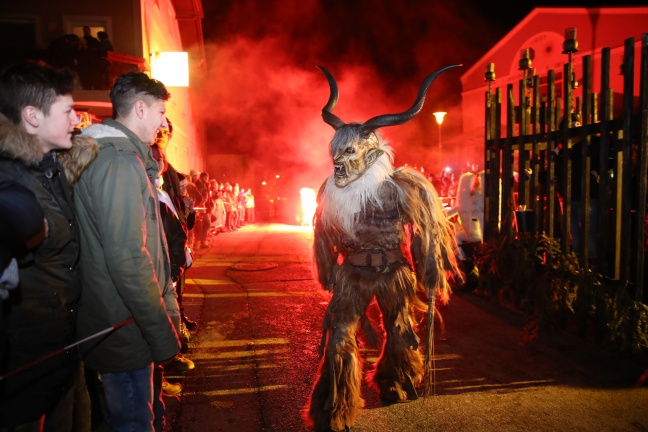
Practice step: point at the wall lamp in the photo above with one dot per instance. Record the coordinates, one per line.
(172, 68)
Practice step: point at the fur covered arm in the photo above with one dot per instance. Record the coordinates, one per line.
(324, 252)
(324, 259)
(433, 240)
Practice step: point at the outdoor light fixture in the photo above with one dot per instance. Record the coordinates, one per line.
(439, 115)
(171, 68)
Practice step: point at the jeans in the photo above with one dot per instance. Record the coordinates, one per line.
(202, 226)
(129, 398)
(159, 409)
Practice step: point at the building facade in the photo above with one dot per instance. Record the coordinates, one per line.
(33, 29)
(543, 33)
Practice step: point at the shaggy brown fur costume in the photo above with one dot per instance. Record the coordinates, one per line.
(405, 203)
(379, 233)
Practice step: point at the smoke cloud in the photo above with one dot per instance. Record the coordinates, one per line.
(263, 95)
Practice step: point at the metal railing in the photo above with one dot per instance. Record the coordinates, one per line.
(572, 153)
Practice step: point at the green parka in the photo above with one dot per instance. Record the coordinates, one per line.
(124, 264)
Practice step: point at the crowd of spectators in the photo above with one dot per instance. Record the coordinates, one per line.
(220, 207)
(445, 181)
(87, 56)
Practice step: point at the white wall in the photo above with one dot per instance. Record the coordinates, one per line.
(161, 33)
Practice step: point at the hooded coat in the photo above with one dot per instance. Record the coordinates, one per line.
(125, 263)
(39, 316)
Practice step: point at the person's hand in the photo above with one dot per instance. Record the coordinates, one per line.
(189, 257)
(8, 279)
(188, 202)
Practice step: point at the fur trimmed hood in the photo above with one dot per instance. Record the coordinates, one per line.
(98, 131)
(16, 143)
(75, 160)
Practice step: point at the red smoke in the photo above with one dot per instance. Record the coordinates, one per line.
(264, 93)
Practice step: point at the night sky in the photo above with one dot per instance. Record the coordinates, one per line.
(264, 93)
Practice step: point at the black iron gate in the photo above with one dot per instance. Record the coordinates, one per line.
(567, 164)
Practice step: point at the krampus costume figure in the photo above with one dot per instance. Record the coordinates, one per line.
(379, 232)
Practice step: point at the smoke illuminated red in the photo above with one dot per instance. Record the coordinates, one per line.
(264, 95)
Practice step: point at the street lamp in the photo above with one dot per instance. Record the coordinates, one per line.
(439, 115)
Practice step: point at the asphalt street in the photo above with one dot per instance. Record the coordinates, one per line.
(260, 315)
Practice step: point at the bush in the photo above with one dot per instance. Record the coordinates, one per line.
(531, 274)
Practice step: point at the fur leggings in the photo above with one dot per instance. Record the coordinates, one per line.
(336, 400)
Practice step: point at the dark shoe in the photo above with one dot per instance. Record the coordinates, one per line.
(191, 325)
(181, 363)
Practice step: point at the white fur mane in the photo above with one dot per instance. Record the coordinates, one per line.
(342, 206)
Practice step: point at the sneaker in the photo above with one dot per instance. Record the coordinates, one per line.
(181, 363)
(185, 336)
(171, 389)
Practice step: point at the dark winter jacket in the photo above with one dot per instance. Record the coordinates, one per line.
(39, 317)
(176, 237)
(125, 264)
(171, 186)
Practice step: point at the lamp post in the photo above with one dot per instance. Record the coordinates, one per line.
(439, 115)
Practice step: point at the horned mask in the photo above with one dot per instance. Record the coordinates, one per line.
(356, 146)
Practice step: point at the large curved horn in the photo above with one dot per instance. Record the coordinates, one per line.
(327, 115)
(395, 119)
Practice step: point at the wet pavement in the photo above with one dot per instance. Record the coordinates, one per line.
(255, 351)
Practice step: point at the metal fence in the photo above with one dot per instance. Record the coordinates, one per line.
(561, 154)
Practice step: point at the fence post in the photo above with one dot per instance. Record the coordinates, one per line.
(565, 163)
(507, 167)
(626, 152)
(536, 205)
(523, 121)
(642, 169)
(585, 168)
(551, 153)
(608, 266)
(491, 172)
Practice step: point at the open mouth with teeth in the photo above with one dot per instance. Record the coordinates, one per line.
(340, 170)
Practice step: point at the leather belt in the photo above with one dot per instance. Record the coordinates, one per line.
(376, 259)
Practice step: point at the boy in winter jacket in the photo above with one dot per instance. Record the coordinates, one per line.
(126, 273)
(36, 122)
